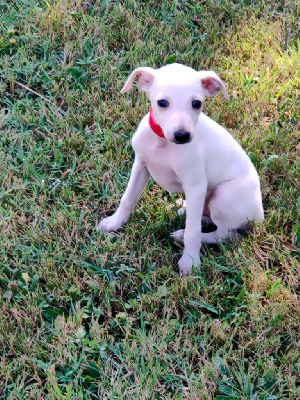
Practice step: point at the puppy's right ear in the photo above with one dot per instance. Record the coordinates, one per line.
(145, 74)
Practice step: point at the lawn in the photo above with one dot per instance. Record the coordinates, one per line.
(89, 315)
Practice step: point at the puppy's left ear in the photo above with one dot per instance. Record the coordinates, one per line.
(212, 84)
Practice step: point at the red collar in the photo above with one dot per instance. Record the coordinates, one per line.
(154, 126)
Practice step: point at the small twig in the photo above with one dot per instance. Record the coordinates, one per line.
(40, 95)
(33, 91)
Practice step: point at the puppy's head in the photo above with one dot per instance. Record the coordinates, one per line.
(177, 94)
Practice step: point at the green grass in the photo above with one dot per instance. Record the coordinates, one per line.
(85, 315)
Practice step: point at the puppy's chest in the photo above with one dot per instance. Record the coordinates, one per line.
(161, 168)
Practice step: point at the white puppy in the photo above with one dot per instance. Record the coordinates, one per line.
(185, 151)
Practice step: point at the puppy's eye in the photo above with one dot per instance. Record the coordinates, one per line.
(196, 104)
(163, 103)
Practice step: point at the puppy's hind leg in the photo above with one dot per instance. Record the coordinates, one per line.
(209, 238)
(179, 235)
(233, 205)
(220, 235)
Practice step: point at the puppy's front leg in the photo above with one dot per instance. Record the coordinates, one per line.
(195, 198)
(138, 180)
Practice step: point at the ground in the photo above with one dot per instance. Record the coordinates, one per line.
(89, 315)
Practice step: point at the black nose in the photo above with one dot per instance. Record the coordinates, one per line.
(182, 137)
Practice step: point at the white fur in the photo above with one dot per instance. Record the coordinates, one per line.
(212, 170)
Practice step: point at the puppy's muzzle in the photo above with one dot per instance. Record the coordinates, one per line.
(182, 137)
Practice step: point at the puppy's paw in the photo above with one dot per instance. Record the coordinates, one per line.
(178, 235)
(181, 205)
(187, 262)
(181, 211)
(111, 224)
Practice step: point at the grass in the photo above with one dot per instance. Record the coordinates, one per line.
(86, 315)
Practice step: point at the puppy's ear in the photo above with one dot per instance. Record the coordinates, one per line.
(212, 84)
(145, 75)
